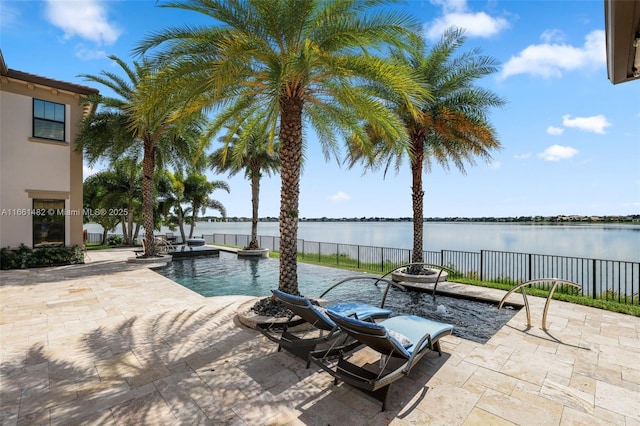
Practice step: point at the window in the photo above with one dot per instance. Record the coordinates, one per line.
(48, 223)
(48, 120)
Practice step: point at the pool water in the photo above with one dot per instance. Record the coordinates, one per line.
(228, 275)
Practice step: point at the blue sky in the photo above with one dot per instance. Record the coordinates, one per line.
(571, 139)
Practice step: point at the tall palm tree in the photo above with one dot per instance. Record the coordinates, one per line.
(248, 152)
(296, 62)
(452, 126)
(123, 126)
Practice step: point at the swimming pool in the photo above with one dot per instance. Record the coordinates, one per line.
(228, 275)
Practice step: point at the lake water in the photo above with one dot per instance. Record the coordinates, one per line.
(598, 241)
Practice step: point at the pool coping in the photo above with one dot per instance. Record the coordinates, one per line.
(160, 353)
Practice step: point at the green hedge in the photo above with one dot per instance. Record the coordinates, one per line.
(25, 257)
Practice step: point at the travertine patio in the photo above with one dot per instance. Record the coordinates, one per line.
(111, 342)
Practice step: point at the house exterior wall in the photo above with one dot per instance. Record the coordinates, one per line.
(37, 168)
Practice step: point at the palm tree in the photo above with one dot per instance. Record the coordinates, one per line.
(197, 189)
(117, 188)
(452, 125)
(249, 152)
(171, 192)
(122, 126)
(294, 62)
(97, 195)
(184, 195)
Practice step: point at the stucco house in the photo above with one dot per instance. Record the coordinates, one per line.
(40, 170)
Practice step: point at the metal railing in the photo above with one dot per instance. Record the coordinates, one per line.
(614, 280)
(552, 284)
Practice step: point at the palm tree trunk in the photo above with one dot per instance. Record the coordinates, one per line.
(290, 158)
(137, 231)
(148, 163)
(125, 233)
(255, 201)
(417, 198)
(181, 225)
(129, 235)
(193, 221)
(124, 226)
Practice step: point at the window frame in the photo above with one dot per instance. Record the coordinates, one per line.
(42, 216)
(53, 120)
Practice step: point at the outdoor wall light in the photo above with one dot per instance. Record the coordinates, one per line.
(636, 63)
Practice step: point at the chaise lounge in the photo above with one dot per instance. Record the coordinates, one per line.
(302, 342)
(407, 337)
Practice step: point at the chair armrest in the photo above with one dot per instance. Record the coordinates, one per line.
(417, 353)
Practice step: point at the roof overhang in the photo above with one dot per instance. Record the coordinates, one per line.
(44, 81)
(622, 28)
(7, 74)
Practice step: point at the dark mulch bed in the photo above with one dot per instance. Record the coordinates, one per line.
(269, 307)
(418, 270)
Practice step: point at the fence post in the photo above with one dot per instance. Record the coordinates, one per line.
(594, 277)
(600, 268)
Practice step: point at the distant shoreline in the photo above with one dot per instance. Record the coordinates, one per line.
(611, 241)
(539, 220)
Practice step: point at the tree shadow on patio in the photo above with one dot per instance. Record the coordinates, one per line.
(190, 365)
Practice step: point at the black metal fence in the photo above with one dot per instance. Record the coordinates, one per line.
(95, 237)
(609, 279)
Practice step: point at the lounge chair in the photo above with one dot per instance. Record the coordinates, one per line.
(319, 327)
(407, 337)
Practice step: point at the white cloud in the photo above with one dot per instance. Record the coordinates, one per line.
(557, 153)
(87, 54)
(457, 14)
(552, 60)
(338, 197)
(9, 15)
(522, 156)
(449, 6)
(86, 19)
(549, 36)
(596, 124)
(555, 131)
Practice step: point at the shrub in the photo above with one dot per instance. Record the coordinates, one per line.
(115, 240)
(14, 258)
(25, 257)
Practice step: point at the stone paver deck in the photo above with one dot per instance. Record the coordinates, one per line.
(111, 342)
